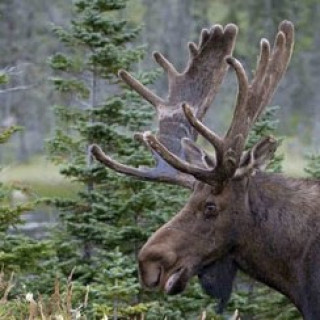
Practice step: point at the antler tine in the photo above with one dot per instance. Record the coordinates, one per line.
(209, 135)
(214, 176)
(197, 86)
(193, 49)
(175, 161)
(165, 64)
(143, 174)
(262, 63)
(139, 136)
(253, 98)
(242, 97)
(190, 95)
(140, 88)
(271, 69)
(288, 29)
(263, 150)
(279, 60)
(204, 36)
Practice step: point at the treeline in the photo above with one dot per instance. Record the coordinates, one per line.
(27, 40)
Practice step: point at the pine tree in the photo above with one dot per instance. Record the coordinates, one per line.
(101, 230)
(18, 252)
(267, 126)
(313, 165)
(97, 49)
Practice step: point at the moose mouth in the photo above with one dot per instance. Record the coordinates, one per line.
(177, 282)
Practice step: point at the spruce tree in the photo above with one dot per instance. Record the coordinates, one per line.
(18, 253)
(101, 231)
(313, 165)
(93, 112)
(267, 126)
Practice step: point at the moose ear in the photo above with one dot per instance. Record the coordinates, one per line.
(195, 155)
(217, 279)
(257, 158)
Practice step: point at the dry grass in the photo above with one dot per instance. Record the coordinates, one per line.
(57, 307)
(44, 179)
(236, 316)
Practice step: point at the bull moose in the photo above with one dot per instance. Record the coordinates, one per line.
(238, 216)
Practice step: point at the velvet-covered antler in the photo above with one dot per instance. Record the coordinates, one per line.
(251, 100)
(197, 86)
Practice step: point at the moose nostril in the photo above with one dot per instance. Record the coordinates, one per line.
(150, 278)
(156, 282)
(153, 261)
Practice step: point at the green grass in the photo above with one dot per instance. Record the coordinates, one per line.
(44, 179)
(294, 157)
(40, 176)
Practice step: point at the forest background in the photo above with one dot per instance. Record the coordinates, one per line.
(78, 216)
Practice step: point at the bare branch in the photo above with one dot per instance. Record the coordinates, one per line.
(19, 88)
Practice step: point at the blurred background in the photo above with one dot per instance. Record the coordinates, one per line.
(26, 42)
(58, 66)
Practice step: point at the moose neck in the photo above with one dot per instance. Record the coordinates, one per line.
(277, 237)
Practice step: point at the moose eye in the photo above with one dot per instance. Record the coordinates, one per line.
(210, 210)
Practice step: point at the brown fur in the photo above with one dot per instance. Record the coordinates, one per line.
(267, 224)
(237, 217)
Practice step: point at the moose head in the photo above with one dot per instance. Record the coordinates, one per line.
(237, 217)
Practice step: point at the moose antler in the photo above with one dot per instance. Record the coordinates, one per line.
(190, 95)
(251, 101)
(197, 86)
